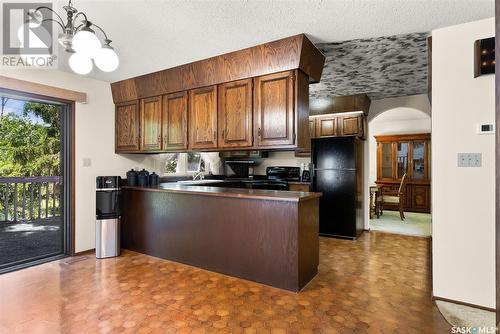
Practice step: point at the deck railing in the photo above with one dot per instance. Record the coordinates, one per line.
(28, 198)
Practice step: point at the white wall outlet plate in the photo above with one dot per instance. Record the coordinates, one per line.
(87, 162)
(469, 159)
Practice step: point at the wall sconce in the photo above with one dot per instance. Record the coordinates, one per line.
(484, 56)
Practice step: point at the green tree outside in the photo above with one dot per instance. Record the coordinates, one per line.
(30, 145)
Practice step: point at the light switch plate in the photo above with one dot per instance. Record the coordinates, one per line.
(469, 159)
(87, 162)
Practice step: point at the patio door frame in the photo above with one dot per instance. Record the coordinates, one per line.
(68, 170)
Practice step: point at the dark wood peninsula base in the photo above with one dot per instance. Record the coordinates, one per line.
(265, 236)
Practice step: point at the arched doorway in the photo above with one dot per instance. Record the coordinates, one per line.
(396, 116)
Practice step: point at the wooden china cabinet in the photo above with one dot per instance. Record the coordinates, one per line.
(400, 154)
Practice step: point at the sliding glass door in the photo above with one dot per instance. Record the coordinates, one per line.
(34, 174)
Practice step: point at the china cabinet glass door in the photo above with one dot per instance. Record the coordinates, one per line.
(386, 160)
(402, 155)
(418, 161)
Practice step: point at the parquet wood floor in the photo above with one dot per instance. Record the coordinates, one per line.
(378, 284)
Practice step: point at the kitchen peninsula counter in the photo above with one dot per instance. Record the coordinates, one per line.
(266, 236)
(277, 195)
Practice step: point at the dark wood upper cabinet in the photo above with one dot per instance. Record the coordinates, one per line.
(203, 118)
(235, 114)
(351, 125)
(274, 109)
(327, 126)
(151, 124)
(175, 121)
(333, 125)
(127, 131)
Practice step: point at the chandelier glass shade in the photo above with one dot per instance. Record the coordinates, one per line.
(79, 38)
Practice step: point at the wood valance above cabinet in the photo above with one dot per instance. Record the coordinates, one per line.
(291, 53)
(256, 98)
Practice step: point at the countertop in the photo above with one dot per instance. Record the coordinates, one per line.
(277, 195)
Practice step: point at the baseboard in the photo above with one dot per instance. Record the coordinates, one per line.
(434, 298)
(86, 252)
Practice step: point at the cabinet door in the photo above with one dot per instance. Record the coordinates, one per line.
(384, 161)
(351, 125)
(402, 158)
(203, 118)
(127, 131)
(235, 114)
(326, 126)
(174, 126)
(151, 124)
(312, 128)
(274, 109)
(420, 197)
(420, 160)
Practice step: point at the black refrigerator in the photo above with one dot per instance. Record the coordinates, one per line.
(337, 173)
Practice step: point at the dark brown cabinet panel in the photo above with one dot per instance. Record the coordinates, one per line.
(327, 127)
(274, 109)
(332, 125)
(151, 124)
(203, 118)
(235, 114)
(420, 197)
(174, 121)
(127, 131)
(305, 187)
(351, 125)
(312, 128)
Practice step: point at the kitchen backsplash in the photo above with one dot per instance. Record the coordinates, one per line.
(286, 158)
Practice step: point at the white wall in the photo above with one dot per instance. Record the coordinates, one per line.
(397, 115)
(285, 158)
(94, 139)
(463, 199)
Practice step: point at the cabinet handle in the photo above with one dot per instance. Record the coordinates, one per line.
(215, 135)
(259, 133)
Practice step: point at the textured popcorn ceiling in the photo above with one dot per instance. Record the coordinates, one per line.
(151, 35)
(380, 67)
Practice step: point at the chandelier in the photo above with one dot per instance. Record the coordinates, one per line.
(79, 38)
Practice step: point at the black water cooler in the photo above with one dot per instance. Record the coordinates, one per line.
(107, 228)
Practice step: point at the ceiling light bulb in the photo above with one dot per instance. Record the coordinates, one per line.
(86, 42)
(106, 59)
(80, 63)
